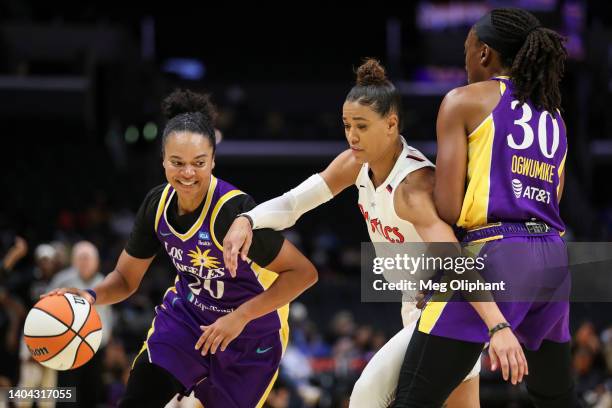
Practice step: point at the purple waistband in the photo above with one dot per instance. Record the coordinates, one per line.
(509, 229)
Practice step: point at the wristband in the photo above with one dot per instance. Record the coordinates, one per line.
(498, 327)
(248, 217)
(92, 293)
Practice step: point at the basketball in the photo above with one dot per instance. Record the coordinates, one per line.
(62, 332)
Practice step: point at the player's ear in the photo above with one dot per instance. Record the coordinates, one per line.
(392, 122)
(212, 167)
(485, 55)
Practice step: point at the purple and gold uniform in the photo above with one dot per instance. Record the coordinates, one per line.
(243, 374)
(515, 160)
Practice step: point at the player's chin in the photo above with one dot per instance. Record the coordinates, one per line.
(360, 156)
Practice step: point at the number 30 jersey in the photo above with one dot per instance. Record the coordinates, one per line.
(515, 160)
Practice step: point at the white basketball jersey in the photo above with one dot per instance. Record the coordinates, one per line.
(376, 204)
(378, 210)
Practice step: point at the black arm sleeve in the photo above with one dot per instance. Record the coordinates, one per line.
(266, 244)
(143, 242)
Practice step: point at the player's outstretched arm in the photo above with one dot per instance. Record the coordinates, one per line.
(295, 274)
(283, 212)
(414, 202)
(117, 285)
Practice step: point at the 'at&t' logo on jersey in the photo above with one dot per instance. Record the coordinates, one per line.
(530, 192)
(517, 187)
(391, 234)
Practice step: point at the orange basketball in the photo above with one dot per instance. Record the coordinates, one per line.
(63, 332)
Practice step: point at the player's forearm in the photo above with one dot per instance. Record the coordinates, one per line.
(282, 212)
(483, 301)
(448, 206)
(288, 286)
(436, 231)
(113, 289)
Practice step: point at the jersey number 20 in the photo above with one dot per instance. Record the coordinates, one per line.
(196, 287)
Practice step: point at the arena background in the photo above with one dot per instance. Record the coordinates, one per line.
(80, 89)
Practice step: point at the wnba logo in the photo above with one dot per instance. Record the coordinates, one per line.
(517, 187)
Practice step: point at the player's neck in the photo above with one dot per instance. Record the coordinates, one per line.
(188, 205)
(499, 71)
(382, 168)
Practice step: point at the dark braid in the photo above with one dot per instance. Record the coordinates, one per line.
(537, 67)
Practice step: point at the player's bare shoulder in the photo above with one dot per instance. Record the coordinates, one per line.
(472, 102)
(473, 95)
(414, 194)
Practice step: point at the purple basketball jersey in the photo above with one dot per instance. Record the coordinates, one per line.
(516, 157)
(204, 289)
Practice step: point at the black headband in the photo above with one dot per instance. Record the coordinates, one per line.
(489, 35)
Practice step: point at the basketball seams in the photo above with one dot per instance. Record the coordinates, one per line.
(69, 328)
(81, 349)
(60, 350)
(71, 310)
(89, 345)
(76, 353)
(83, 341)
(86, 318)
(55, 318)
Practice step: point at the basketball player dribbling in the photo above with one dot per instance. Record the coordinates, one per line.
(217, 336)
(395, 184)
(500, 169)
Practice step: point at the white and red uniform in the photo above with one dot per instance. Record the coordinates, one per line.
(378, 381)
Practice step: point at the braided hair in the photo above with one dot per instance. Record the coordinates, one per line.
(188, 111)
(536, 68)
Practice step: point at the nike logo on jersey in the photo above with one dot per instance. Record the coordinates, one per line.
(261, 351)
(165, 234)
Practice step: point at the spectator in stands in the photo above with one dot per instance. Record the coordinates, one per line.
(82, 274)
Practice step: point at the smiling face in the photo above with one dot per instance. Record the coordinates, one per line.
(368, 133)
(188, 162)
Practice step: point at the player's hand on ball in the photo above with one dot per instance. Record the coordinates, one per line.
(237, 240)
(506, 352)
(74, 291)
(221, 333)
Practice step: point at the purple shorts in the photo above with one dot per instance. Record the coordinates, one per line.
(240, 376)
(521, 260)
